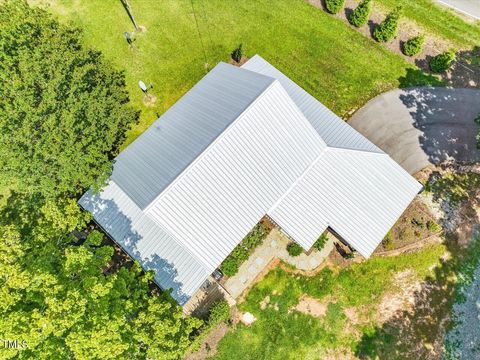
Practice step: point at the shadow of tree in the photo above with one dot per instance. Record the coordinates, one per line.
(118, 226)
(418, 333)
(465, 71)
(446, 119)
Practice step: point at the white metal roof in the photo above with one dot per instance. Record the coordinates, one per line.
(269, 149)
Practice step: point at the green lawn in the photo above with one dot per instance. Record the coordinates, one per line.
(336, 64)
(286, 334)
(438, 20)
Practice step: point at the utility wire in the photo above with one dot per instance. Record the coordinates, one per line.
(199, 35)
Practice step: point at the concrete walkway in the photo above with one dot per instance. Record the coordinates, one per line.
(274, 246)
(422, 126)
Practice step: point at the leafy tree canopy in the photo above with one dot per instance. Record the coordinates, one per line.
(62, 107)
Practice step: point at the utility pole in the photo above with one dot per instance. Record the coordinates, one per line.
(127, 7)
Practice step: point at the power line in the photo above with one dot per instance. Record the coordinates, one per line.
(199, 35)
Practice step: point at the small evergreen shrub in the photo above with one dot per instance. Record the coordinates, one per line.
(387, 241)
(320, 243)
(219, 312)
(442, 62)
(334, 6)
(387, 29)
(237, 53)
(294, 249)
(360, 15)
(413, 46)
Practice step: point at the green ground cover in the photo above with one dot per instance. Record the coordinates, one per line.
(438, 20)
(336, 64)
(280, 332)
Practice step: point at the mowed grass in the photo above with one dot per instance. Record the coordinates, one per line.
(439, 20)
(283, 333)
(336, 64)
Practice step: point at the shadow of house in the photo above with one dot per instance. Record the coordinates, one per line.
(445, 119)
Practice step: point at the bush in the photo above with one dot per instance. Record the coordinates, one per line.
(387, 241)
(219, 312)
(230, 266)
(433, 227)
(413, 46)
(334, 6)
(442, 62)
(243, 250)
(320, 243)
(360, 15)
(294, 249)
(387, 30)
(237, 53)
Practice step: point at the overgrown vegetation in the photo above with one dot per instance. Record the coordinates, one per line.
(294, 249)
(243, 250)
(64, 112)
(279, 332)
(361, 13)
(413, 46)
(334, 6)
(387, 29)
(456, 187)
(442, 62)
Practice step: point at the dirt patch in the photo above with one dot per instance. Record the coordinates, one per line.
(210, 343)
(311, 306)
(401, 299)
(352, 315)
(264, 303)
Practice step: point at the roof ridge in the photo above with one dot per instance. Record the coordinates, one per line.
(381, 152)
(212, 144)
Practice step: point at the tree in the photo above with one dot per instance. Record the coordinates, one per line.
(62, 107)
(59, 299)
(387, 30)
(361, 13)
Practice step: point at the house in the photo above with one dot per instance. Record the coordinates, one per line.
(241, 144)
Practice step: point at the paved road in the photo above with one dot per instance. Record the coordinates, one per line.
(468, 7)
(422, 126)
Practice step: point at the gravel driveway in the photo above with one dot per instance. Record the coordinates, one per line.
(422, 126)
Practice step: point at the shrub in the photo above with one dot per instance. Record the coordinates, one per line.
(442, 62)
(360, 15)
(219, 312)
(230, 266)
(387, 30)
(243, 250)
(334, 6)
(432, 226)
(413, 46)
(320, 243)
(387, 241)
(237, 53)
(294, 249)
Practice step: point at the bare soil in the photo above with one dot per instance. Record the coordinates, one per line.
(311, 306)
(209, 346)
